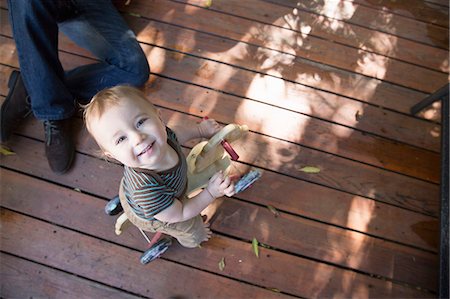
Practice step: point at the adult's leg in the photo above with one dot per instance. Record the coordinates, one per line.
(100, 28)
(35, 29)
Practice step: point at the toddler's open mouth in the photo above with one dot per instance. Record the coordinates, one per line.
(146, 149)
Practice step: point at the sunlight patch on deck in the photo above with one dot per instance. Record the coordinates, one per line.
(371, 64)
(338, 9)
(361, 213)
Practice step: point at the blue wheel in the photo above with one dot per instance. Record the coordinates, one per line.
(156, 250)
(113, 207)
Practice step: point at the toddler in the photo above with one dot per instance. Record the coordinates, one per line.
(129, 129)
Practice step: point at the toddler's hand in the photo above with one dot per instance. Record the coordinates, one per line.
(208, 127)
(219, 185)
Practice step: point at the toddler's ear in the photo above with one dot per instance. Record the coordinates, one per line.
(159, 113)
(108, 155)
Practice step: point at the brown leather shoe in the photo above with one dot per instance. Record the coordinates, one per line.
(59, 147)
(15, 108)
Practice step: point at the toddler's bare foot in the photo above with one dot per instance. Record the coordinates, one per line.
(208, 232)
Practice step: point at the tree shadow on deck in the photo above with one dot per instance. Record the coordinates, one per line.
(264, 91)
(294, 123)
(287, 128)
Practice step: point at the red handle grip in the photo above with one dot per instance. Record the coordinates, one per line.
(234, 156)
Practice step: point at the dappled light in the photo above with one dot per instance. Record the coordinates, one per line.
(211, 210)
(347, 204)
(292, 22)
(342, 10)
(363, 212)
(290, 128)
(445, 66)
(8, 51)
(372, 65)
(381, 43)
(157, 58)
(271, 60)
(436, 132)
(432, 112)
(352, 112)
(333, 25)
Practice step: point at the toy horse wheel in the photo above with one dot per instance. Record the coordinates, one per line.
(156, 250)
(113, 207)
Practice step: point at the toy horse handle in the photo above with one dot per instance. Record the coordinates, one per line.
(228, 134)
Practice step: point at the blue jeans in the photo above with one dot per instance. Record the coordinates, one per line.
(93, 25)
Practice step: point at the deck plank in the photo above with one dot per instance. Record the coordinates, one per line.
(300, 240)
(22, 278)
(378, 19)
(311, 132)
(305, 198)
(324, 109)
(94, 258)
(282, 271)
(334, 22)
(291, 67)
(358, 179)
(416, 9)
(312, 48)
(279, 64)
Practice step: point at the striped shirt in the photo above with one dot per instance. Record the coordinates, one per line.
(149, 192)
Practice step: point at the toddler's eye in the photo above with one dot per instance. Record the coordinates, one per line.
(140, 122)
(120, 139)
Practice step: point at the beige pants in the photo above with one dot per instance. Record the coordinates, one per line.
(189, 233)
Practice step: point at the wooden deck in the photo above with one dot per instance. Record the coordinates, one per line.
(325, 83)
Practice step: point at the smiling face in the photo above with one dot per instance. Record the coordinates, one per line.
(132, 133)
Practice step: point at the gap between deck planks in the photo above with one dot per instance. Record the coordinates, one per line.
(282, 271)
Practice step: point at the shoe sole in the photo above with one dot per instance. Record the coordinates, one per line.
(12, 82)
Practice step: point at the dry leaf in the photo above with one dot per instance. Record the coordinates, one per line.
(310, 169)
(273, 210)
(222, 264)
(255, 247)
(77, 189)
(134, 14)
(208, 3)
(6, 151)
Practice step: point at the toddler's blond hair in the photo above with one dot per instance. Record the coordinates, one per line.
(111, 97)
